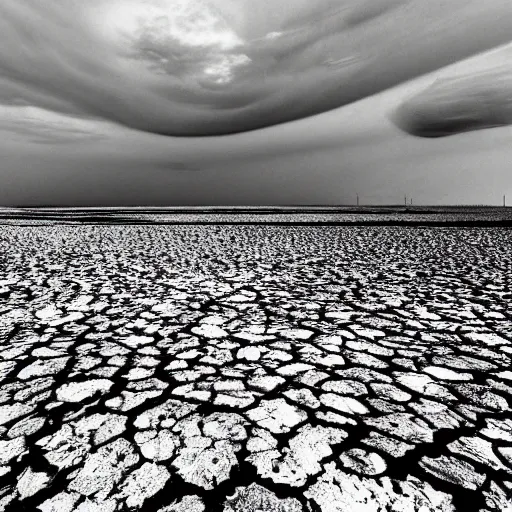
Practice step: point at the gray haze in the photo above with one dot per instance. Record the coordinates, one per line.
(150, 101)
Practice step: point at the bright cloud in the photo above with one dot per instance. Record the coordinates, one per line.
(175, 36)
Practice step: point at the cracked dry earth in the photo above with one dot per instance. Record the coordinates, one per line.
(246, 368)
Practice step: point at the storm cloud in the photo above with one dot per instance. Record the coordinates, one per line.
(197, 69)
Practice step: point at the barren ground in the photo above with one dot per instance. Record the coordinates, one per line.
(255, 368)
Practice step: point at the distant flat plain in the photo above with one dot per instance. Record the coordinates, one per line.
(291, 215)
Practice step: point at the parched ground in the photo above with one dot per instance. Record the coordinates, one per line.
(255, 368)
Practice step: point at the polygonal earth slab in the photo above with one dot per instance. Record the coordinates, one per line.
(453, 470)
(78, 391)
(186, 504)
(300, 460)
(336, 491)
(404, 426)
(11, 449)
(256, 498)
(143, 483)
(276, 415)
(205, 464)
(104, 469)
(363, 462)
(31, 482)
(156, 446)
(62, 502)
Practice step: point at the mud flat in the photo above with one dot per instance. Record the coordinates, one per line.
(255, 368)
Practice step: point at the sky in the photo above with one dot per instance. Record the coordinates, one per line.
(228, 102)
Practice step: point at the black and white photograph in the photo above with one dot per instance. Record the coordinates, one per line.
(255, 256)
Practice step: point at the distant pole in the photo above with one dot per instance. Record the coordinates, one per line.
(411, 200)
(405, 200)
(504, 201)
(357, 199)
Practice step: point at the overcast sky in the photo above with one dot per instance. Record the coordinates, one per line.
(124, 102)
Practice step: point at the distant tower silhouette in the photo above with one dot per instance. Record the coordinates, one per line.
(357, 199)
(405, 200)
(504, 201)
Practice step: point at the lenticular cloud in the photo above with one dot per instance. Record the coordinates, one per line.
(457, 105)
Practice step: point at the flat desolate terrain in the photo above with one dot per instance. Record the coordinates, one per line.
(255, 368)
(489, 216)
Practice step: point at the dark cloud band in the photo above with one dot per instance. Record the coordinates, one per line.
(451, 106)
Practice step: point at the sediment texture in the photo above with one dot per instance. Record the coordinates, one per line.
(255, 368)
